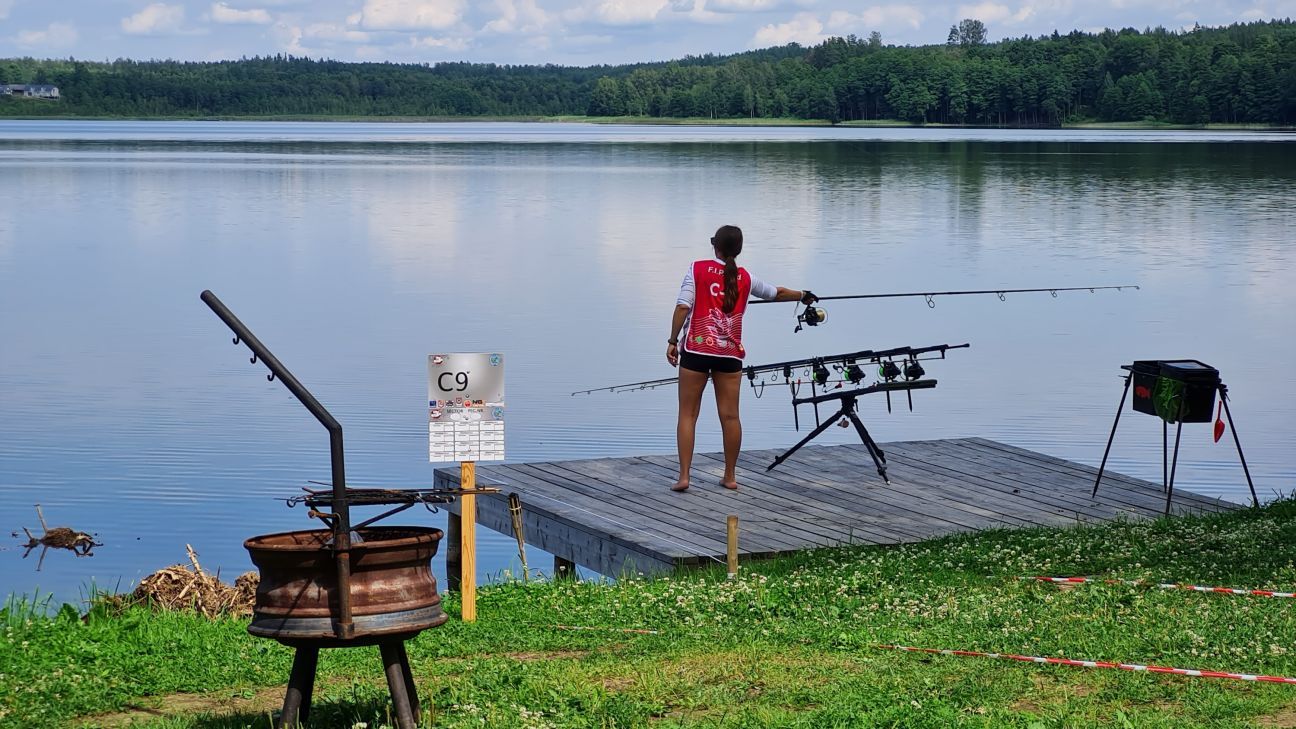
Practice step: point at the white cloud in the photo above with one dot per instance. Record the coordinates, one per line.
(290, 39)
(804, 28)
(743, 6)
(992, 12)
(455, 44)
(408, 14)
(222, 13)
(55, 36)
(696, 11)
(587, 40)
(539, 43)
(517, 16)
(335, 32)
(629, 12)
(156, 19)
(876, 17)
(618, 12)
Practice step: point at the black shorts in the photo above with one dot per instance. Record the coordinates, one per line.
(708, 363)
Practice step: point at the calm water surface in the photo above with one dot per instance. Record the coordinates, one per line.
(354, 250)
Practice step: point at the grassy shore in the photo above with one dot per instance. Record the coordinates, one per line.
(790, 643)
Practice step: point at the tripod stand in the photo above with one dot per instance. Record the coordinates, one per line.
(847, 410)
(1169, 464)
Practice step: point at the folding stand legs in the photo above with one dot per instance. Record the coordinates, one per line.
(1174, 462)
(400, 683)
(1168, 468)
(847, 410)
(1112, 437)
(1223, 392)
(879, 458)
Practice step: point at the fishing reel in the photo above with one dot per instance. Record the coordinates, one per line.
(888, 370)
(812, 316)
(913, 370)
(853, 373)
(820, 373)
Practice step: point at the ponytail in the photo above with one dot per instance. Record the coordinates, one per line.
(731, 285)
(728, 242)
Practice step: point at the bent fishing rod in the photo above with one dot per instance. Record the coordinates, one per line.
(819, 370)
(813, 316)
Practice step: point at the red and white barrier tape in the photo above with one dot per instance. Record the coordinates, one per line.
(1096, 664)
(1162, 585)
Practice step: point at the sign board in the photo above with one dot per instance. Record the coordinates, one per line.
(465, 407)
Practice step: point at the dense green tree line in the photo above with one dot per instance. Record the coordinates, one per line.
(1244, 73)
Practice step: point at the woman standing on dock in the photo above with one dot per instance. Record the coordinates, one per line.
(709, 311)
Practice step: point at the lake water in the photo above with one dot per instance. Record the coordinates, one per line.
(354, 250)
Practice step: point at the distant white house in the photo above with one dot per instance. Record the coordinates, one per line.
(31, 91)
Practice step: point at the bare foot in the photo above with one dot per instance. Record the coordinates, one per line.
(680, 485)
(729, 484)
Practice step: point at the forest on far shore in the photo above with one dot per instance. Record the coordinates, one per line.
(1240, 74)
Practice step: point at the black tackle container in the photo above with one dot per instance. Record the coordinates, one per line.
(1145, 373)
(1174, 389)
(1200, 382)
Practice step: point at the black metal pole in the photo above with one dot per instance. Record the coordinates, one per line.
(819, 429)
(1103, 466)
(879, 458)
(1174, 462)
(1165, 465)
(342, 526)
(1223, 390)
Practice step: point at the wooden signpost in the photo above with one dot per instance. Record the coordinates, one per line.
(468, 542)
(465, 424)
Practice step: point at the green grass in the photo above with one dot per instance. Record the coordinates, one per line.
(791, 643)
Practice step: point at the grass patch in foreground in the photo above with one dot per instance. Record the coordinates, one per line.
(790, 643)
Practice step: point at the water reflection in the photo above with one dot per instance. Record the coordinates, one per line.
(123, 404)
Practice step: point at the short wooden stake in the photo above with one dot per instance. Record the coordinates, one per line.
(515, 513)
(731, 529)
(468, 542)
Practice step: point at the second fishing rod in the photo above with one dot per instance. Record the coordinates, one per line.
(815, 315)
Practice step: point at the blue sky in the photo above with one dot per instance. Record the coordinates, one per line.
(573, 32)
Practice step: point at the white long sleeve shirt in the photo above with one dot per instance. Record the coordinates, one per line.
(688, 289)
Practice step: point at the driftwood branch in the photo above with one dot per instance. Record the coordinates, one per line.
(79, 543)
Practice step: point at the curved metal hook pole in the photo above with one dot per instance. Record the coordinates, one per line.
(342, 530)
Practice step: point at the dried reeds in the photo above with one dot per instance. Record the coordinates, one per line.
(182, 588)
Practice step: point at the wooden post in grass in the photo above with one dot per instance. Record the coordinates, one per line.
(468, 542)
(731, 529)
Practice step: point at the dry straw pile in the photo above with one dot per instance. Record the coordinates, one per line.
(180, 587)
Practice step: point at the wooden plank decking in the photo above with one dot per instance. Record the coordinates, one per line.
(616, 515)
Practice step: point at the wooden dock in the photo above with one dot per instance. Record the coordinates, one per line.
(617, 515)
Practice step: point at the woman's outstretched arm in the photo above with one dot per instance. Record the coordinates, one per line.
(785, 294)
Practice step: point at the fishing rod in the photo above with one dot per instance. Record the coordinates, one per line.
(818, 370)
(837, 378)
(813, 316)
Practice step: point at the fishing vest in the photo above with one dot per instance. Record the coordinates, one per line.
(711, 331)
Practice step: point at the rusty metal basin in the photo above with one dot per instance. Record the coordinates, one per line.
(393, 592)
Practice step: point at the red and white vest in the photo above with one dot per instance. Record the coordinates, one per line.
(711, 331)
